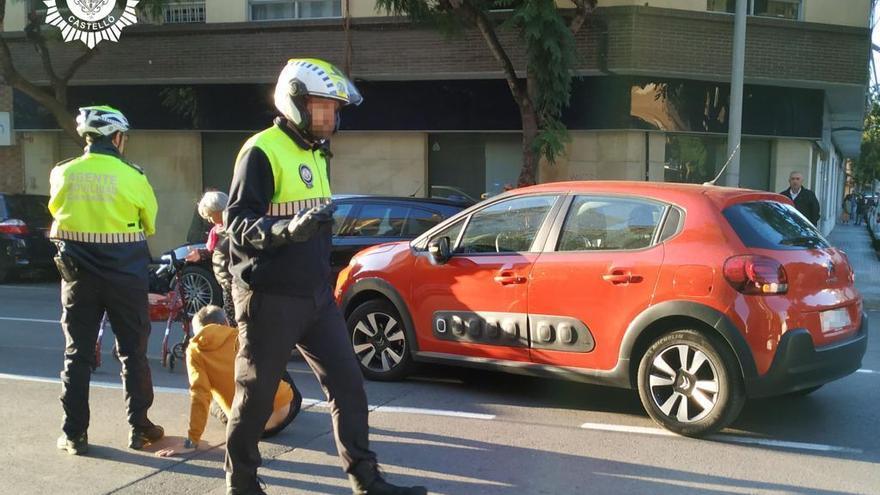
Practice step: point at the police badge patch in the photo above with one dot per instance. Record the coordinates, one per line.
(305, 173)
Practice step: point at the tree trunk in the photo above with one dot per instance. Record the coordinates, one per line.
(528, 175)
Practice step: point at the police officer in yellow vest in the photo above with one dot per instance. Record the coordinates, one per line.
(279, 221)
(103, 208)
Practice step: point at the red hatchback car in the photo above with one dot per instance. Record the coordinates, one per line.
(697, 296)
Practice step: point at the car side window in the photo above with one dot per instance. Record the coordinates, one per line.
(597, 223)
(421, 221)
(339, 216)
(451, 231)
(509, 226)
(379, 220)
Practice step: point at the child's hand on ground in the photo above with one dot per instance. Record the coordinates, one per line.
(179, 447)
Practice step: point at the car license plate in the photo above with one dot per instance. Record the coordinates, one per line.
(834, 319)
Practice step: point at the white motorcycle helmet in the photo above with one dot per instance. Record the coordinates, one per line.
(100, 121)
(304, 77)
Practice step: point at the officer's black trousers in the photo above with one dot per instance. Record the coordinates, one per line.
(269, 327)
(83, 303)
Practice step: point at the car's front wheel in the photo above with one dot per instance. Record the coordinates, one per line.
(200, 288)
(690, 383)
(380, 341)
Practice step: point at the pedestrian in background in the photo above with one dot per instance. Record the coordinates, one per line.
(211, 208)
(103, 208)
(804, 199)
(847, 205)
(861, 209)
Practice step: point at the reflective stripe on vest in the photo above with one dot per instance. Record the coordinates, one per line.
(291, 208)
(96, 237)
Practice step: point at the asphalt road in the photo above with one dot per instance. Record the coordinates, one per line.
(456, 431)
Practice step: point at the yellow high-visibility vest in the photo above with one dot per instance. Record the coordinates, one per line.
(301, 180)
(101, 198)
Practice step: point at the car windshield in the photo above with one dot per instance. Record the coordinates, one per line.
(31, 209)
(773, 225)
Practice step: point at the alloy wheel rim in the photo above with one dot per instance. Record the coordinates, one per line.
(379, 342)
(196, 291)
(684, 383)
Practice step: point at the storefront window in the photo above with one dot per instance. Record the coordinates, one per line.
(693, 159)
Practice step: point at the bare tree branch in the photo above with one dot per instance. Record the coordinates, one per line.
(12, 77)
(583, 8)
(486, 29)
(79, 62)
(33, 34)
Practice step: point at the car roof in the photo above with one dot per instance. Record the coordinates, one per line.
(720, 195)
(405, 199)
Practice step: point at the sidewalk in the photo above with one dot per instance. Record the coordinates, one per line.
(856, 242)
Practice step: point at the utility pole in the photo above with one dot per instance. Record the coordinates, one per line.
(734, 122)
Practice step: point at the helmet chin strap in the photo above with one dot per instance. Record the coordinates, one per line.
(306, 136)
(314, 143)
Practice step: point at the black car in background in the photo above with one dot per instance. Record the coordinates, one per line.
(359, 222)
(24, 227)
(364, 221)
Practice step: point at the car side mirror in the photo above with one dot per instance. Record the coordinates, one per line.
(439, 250)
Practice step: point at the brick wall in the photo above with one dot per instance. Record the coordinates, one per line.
(11, 162)
(640, 40)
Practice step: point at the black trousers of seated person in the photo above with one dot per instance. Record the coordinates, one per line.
(83, 303)
(269, 326)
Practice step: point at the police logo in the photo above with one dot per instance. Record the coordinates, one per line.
(91, 21)
(305, 173)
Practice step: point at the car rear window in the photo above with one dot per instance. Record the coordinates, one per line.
(30, 209)
(773, 225)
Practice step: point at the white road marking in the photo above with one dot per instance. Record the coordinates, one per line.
(306, 401)
(28, 287)
(722, 438)
(31, 320)
(870, 372)
(433, 412)
(114, 386)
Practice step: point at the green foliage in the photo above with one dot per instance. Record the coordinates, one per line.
(867, 167)
(550, 54)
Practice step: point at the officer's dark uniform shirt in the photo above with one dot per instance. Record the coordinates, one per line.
(104, 207)
(260, 258)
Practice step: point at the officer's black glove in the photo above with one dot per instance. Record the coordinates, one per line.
(307, 222)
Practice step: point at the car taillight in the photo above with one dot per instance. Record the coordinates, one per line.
(13, 226)
(752, 274)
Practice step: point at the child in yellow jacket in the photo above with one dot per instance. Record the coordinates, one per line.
(210, 359)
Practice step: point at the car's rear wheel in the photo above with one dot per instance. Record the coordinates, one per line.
(690, 383)
(380, 341)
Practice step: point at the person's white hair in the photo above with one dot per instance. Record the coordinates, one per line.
(212, 202)
(208, 315)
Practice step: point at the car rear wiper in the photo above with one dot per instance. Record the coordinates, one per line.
(801, 241)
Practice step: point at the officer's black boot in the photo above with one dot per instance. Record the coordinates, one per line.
(141, 436)
(74, 446)
(366, 479)
(237, 485)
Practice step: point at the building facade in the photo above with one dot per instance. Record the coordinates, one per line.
(650, 101)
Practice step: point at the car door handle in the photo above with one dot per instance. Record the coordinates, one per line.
(619, 277)
(509, 279)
